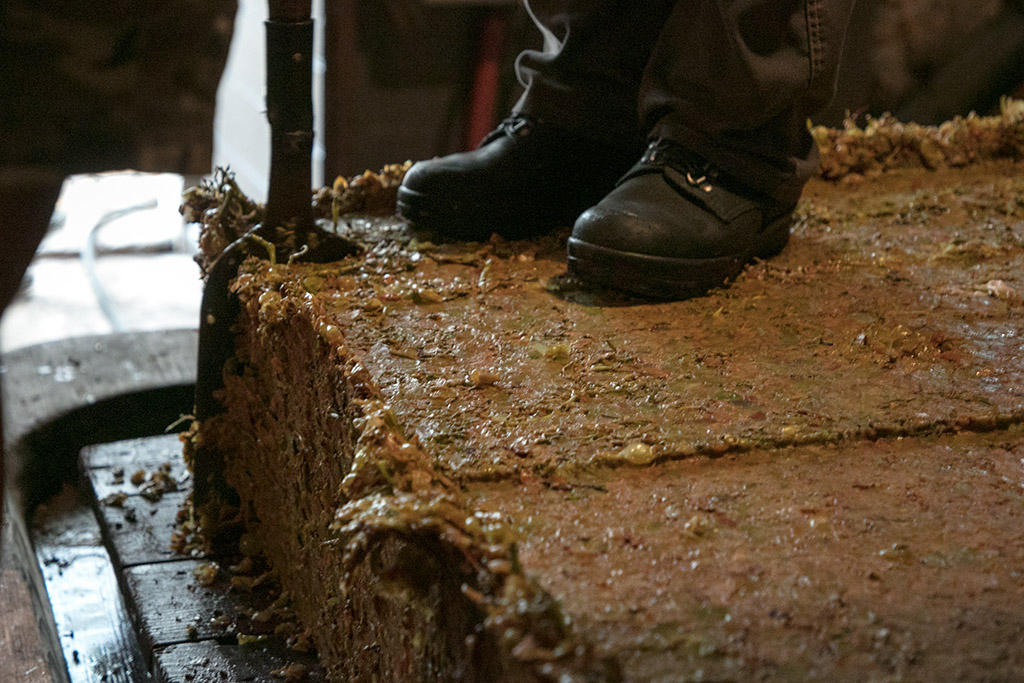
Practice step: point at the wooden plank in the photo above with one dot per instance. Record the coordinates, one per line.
(62, 396)
(57, 398)
(169, 606)
(104, 483)
(97, 639)
(22, 654)
(186, 630)
(46, 381)
(101, 464)
(26, 592)
(147, 452)
(94, 633)
(139, 531)
(210, 662)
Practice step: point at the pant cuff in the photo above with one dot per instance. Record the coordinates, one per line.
(589, 116)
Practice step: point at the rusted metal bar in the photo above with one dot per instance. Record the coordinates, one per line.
(289, 45)
(289, 33)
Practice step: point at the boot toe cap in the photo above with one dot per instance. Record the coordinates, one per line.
(645, 215)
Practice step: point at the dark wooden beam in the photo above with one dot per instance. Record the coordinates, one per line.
(290, 10)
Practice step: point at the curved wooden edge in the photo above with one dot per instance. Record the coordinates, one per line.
(45, 381)
(57, 398)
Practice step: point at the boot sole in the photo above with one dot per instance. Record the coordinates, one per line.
(476, 221)
(445, 217)
(661, 277)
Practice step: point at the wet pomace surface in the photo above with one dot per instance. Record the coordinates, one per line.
(895, 557)
(815, 472)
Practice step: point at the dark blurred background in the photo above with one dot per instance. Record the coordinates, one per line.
(132, 83)
(415, 78)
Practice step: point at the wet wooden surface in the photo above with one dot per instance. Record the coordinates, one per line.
(137, 529)
(146, 454)
(95, 635)
(42, 383)
(57, 398)
(167, 603)
(188, 629)
(209, 662)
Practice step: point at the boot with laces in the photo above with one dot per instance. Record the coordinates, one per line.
(675, 227)
(524, 179)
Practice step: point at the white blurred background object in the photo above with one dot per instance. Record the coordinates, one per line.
(118, 258)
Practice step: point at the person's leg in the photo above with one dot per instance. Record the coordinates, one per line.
(587, 76)
(725, 98)
(736, 80)
(27, 198)
(571, 136)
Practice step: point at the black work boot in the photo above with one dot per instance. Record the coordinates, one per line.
(674, 227)
(525, 178)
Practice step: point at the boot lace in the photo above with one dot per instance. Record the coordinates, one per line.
(698, 172)
(512, 126)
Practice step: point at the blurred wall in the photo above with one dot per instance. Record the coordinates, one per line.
(401, 76)
(929, 60)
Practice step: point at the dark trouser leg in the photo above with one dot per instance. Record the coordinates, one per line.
(581, 133)
(588, 75)
(27, 198)
(735, 80)
(729, 82)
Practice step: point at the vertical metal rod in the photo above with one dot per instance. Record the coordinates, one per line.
(289, 31)
(290, 112)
